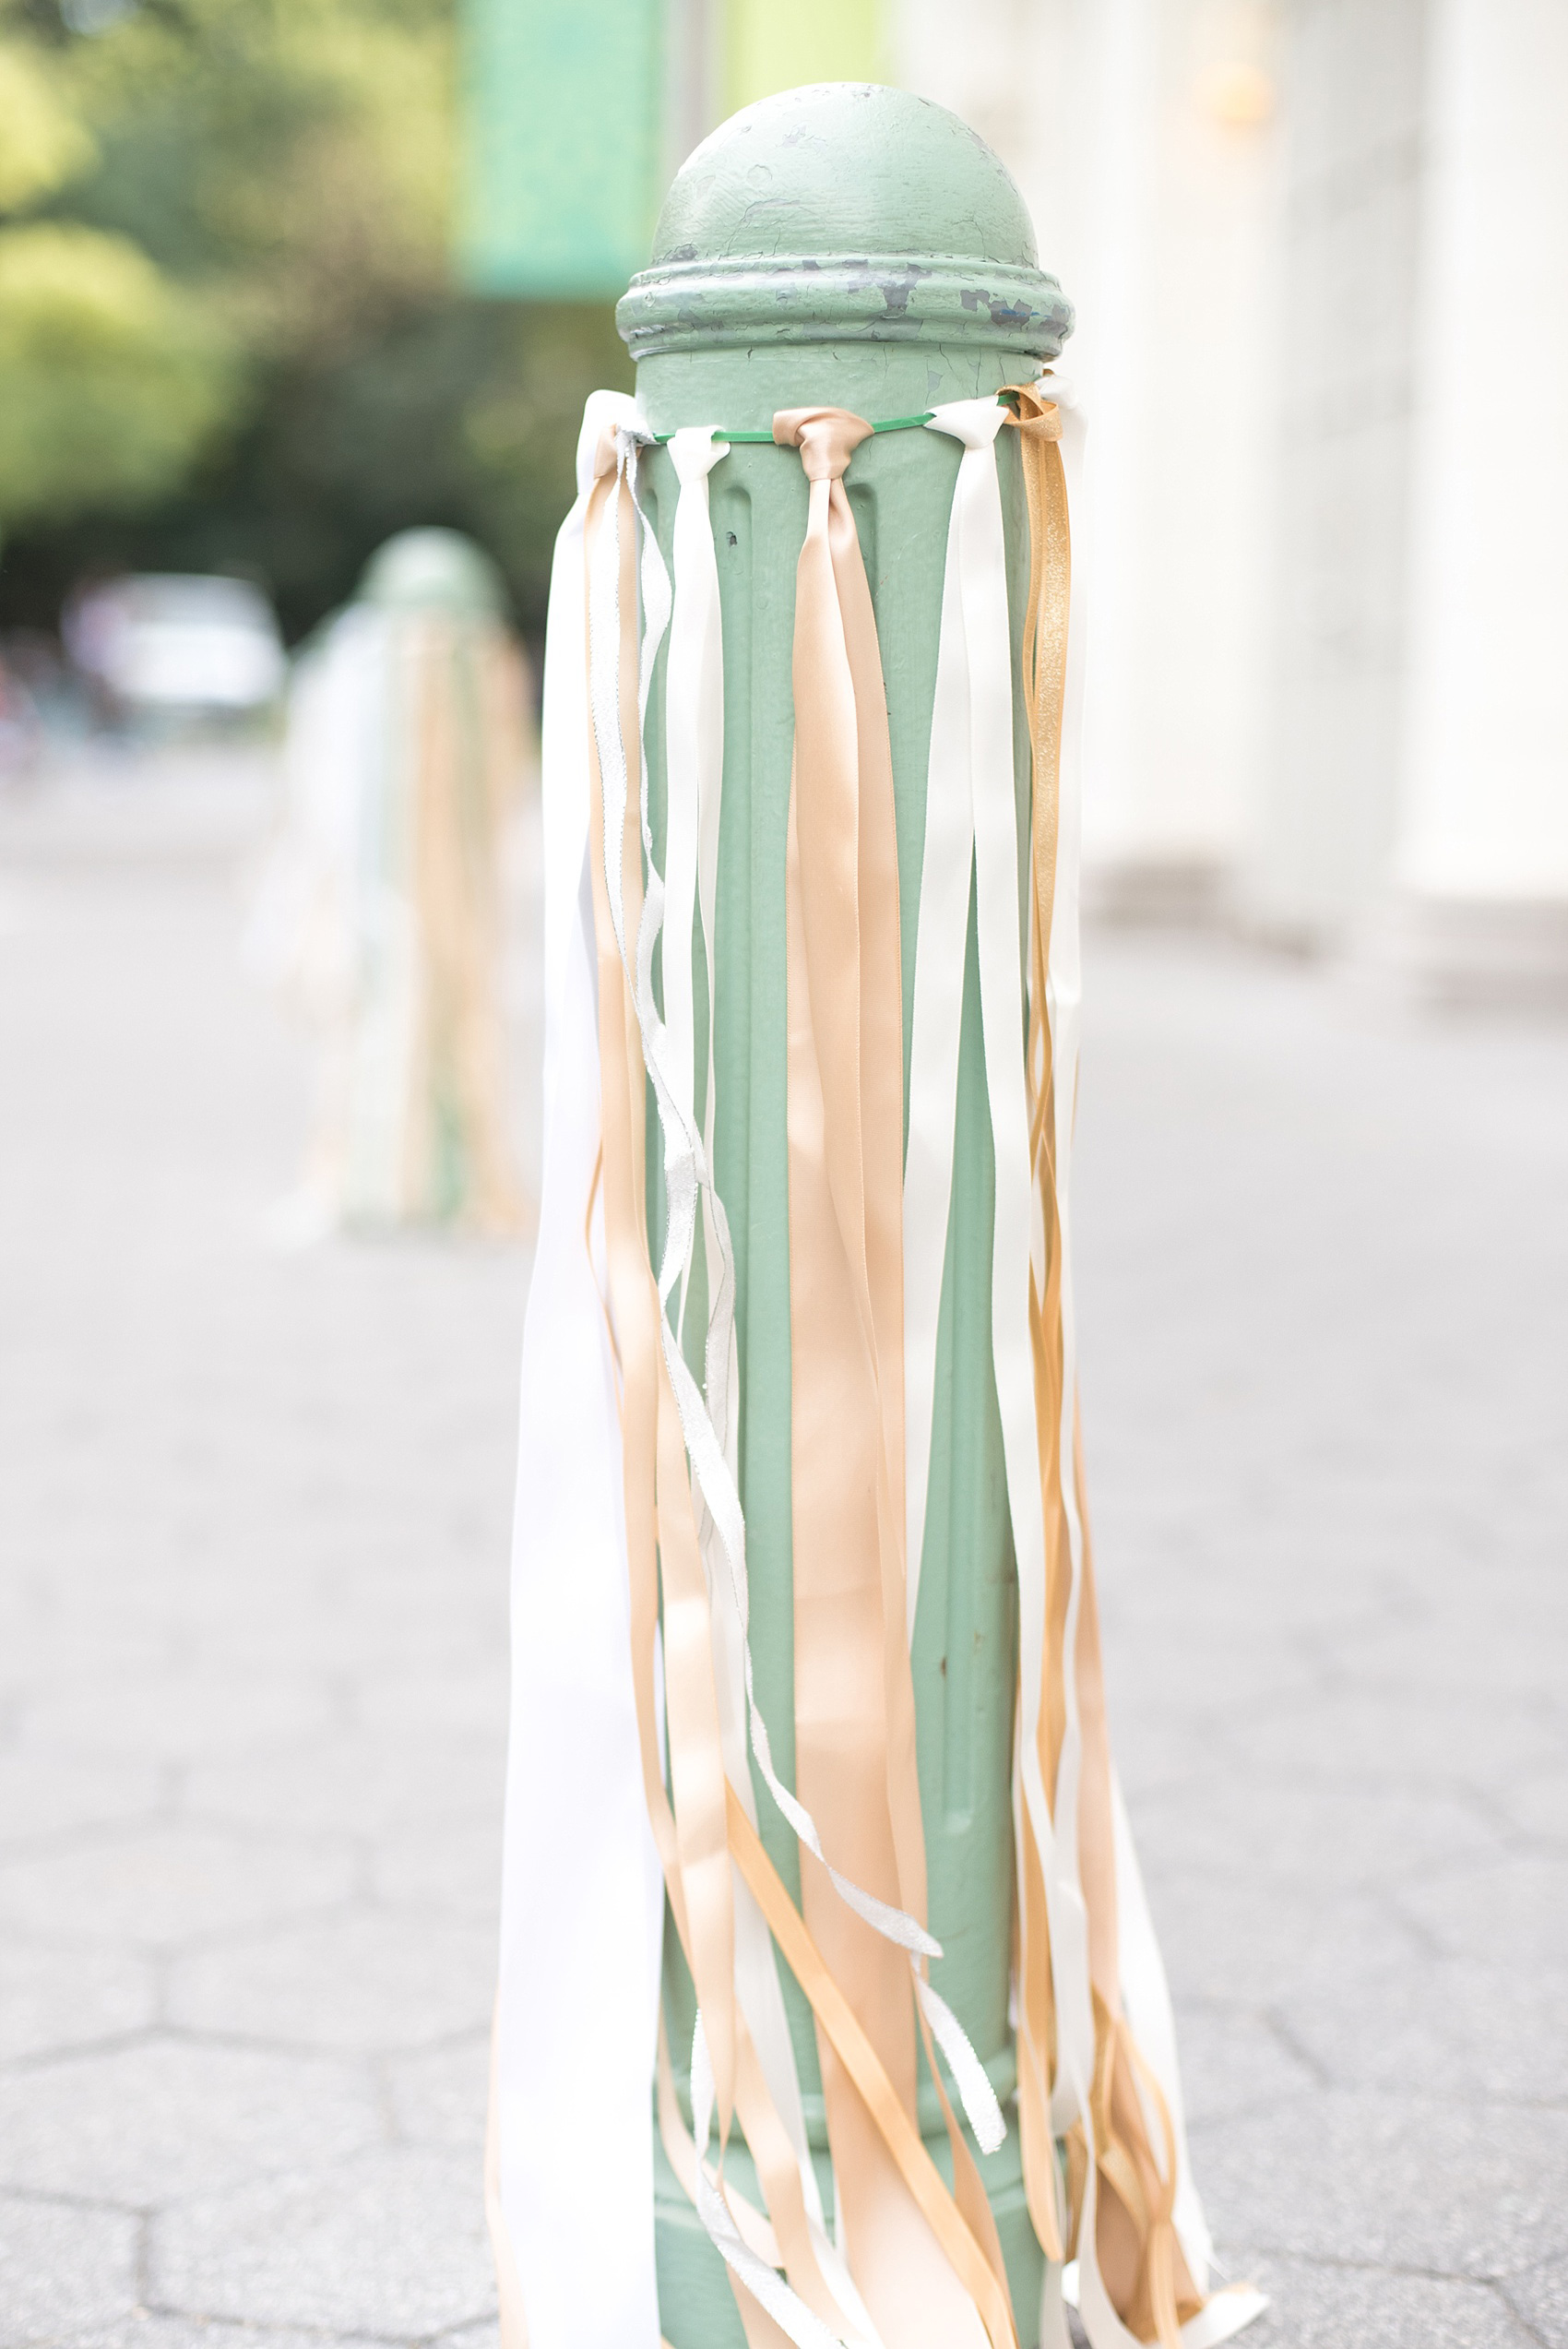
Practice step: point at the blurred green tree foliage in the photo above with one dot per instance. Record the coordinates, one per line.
(227, 333)
(111, 378)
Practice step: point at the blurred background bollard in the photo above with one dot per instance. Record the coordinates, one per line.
(912, 279)
(380, 912)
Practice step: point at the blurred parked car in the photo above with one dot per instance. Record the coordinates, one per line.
(176, 644)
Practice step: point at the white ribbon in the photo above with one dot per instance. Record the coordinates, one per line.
(576, 2018)
(694, 694)
(972, 788)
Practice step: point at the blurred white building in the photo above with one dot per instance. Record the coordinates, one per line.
(1316, 249)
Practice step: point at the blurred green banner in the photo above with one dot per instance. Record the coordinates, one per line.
(766, 47)
(575, 114)
(563, 161)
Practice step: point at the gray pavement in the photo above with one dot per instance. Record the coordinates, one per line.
(1324, 1252)
(254, 1521)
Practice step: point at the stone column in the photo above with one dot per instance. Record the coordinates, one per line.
(1480, 867)
(1144, 135)
(1354, 95)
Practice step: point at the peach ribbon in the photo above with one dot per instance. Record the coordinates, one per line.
(854, 1698)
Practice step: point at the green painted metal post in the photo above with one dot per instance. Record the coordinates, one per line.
(853, 245)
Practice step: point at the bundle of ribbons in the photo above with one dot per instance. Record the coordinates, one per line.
(639, 1753)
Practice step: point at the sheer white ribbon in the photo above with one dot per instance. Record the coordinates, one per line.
(576, 2014)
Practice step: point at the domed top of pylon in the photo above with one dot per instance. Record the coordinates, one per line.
(844, 210)
(433, 570)
(844, 167)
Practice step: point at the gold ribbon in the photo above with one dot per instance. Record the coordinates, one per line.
(1140, 2260)
(843, 2031)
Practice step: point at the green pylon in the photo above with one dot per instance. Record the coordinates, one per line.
(852, 245)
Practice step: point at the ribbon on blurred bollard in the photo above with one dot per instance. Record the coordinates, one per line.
(634, 1696)
(380, 912)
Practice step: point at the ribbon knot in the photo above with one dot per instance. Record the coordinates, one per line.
(826, 438)
(1037, 418)
(976, 422)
